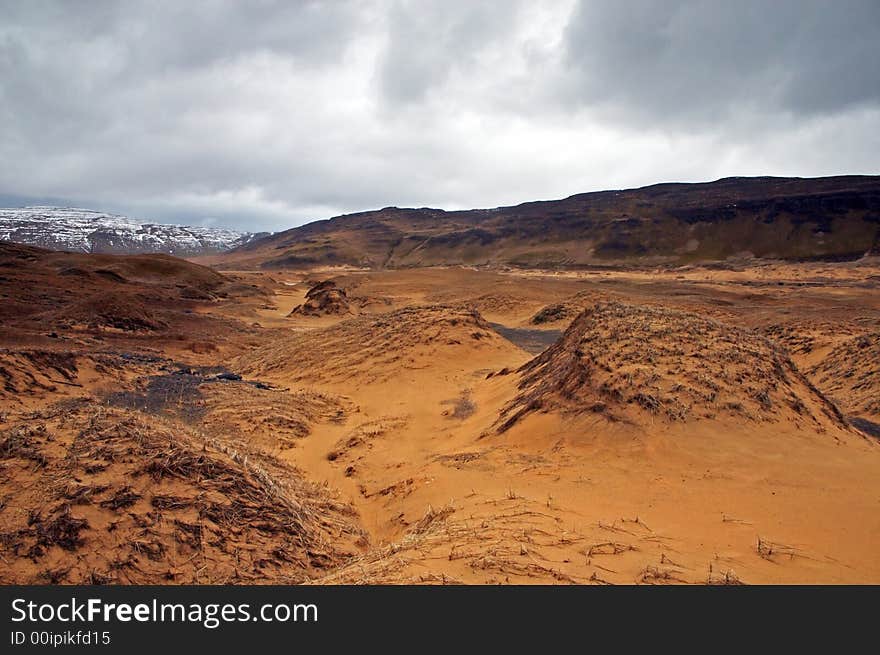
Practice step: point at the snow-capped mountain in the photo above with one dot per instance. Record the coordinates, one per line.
(84, 230)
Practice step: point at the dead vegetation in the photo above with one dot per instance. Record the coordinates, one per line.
(850, 374)
(510, 544)
(191, 509)
(633, 363)
(771, 550)
(222, 403)
(727, 577)
(516, 540)
(556, 313)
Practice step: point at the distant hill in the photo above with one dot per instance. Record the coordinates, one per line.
(84, 230)
(831, 218)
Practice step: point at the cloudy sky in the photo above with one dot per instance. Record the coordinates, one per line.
(265, 115)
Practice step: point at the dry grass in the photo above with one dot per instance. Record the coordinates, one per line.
(634, 362)
(851, 375)
(165, 503)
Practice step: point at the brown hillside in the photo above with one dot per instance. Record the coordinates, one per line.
(828, 218)
(63, 302)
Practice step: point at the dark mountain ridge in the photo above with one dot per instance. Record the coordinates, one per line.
(831, 218)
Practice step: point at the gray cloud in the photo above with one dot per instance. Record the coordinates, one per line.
(705, 60)
(427, 42)
(268, 114)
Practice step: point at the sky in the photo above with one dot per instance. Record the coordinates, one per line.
(264, 115)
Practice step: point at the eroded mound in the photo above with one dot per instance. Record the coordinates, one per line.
(375, 347)
(97, 495)
(633, 362)
(851, 375)
(324, 299)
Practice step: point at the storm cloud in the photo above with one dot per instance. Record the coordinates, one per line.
(264, 115)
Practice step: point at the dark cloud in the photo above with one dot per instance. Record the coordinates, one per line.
(267, 114)
(707, 60)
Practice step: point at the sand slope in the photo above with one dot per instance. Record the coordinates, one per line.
(851, 374)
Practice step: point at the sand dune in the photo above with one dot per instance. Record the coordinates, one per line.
(633, 363)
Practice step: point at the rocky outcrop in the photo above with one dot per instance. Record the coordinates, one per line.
(324, 299)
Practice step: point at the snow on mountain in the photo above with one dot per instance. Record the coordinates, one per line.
(84, 230)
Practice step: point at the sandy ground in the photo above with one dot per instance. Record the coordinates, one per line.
(581, 499)
(392, 410)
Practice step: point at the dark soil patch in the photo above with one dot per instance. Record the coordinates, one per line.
(177, 392)
(532, 341)
(463, 406)
(866, 426)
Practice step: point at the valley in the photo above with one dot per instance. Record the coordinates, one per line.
(162, 422)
